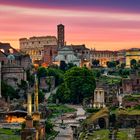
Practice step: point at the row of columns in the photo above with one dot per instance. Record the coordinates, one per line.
(99, 98)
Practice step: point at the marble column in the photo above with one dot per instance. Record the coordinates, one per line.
(29, 104)
(36, 95)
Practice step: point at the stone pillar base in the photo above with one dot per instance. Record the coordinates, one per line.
(29, 134)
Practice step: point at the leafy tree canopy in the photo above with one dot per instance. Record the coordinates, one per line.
(8, 91)
(80, 82)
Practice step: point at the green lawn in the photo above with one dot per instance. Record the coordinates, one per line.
(123, 134)
(97, 135)
(8, 134)
(126, 134)
(109, 80)
(58, 110)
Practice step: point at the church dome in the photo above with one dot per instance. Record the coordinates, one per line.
(11, 57)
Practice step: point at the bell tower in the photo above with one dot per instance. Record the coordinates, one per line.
(61, 35)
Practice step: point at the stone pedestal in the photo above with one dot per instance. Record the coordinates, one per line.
(137, 132)
(29, 132)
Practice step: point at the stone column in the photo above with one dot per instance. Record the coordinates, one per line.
(29, 104)
(36, 95)
(0, 80)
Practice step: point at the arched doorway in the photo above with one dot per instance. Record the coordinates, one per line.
(102, 123)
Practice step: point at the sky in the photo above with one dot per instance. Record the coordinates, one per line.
(100, 24)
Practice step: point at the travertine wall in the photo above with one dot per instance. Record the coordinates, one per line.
(34, 46)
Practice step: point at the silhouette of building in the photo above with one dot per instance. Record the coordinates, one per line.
(61, 35)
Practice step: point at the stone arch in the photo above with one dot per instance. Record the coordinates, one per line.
(102, 122)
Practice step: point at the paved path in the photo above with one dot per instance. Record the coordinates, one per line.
(66, 133)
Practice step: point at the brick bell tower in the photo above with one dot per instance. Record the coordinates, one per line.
(61, 35)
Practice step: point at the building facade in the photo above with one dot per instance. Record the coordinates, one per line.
(14, 65)
(103, 57)
(50, 52)
(132, 84)
(66, 54)
(99, 98)
(133, 53)
(82, 53)
(34, 46)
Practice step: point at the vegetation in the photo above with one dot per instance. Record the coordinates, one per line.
(96, 73)
(95, 62)
(112, 64)
(100, 135)
(125, 134)
(79, 83)
(92, 110)
(58, 110)
(110, 80)
(8, 91)
(8, 134)
(57, 73)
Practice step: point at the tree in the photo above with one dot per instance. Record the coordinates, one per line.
(95, 62)
(111, 64)
(63, 94)
(57, 73)
(80, 82)
(63, 65)
(48, 127)
(8, 91)
(41, 72)
(123, 65)
(133, 63)
(70, 65)
(41, 96)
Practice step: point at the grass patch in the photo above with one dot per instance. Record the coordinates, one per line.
(97, 135)
(126, 134)
(8, 134)
(128, 111)
(109, 80)
(58, 110)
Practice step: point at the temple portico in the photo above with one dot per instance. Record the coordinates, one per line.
(99, 98)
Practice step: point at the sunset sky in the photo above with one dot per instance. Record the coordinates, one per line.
(100, 24)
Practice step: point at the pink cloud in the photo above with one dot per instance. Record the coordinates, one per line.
(81, 27)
